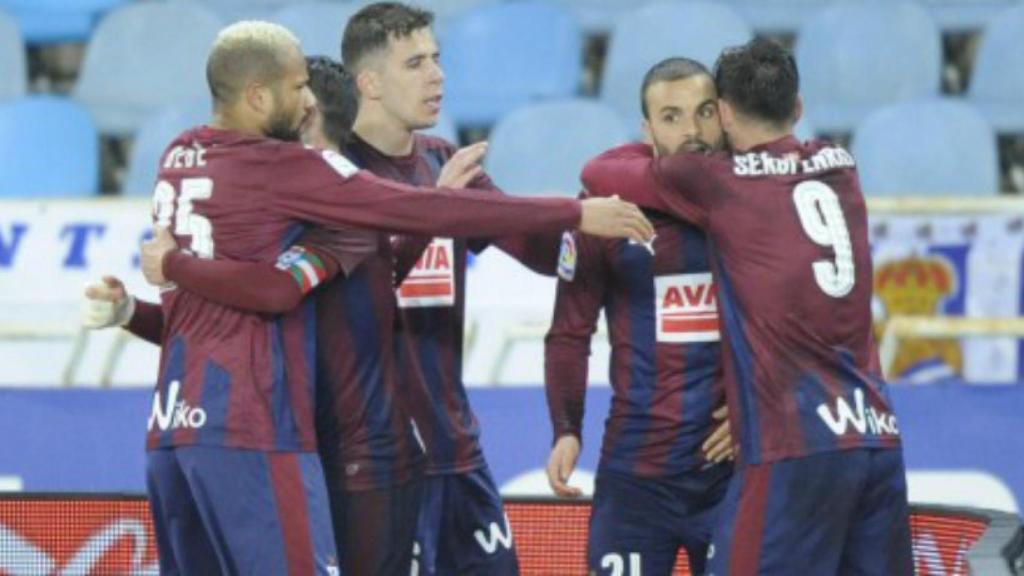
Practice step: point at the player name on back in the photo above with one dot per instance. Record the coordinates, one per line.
(790, 164)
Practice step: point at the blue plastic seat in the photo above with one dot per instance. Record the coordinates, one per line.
(697, 30)
(144, 57)
(498, 57)
(600, 16)
(54, 21)
(927, 147)
(777, 16)
(152, 139)
(50, 149)
(318, 25)
(541, 148)
(13, 69)
(857, 56)
(965, 15)
(997, 84)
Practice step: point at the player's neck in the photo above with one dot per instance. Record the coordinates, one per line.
(226, 120)
(754, 136)
(383, 132)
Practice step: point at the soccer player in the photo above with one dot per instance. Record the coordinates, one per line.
(655, 490)
(233, 479)
(820, 486)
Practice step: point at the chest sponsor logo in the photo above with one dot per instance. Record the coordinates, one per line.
(432, 280)
(687, 308)
(174, 413)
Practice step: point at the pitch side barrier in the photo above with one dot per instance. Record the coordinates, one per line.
(102, 534)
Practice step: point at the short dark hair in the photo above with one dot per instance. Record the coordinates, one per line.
(370, 29)
(669, 70)
(760, 79)
(337, 100)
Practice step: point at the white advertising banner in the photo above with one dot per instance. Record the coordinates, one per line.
(924, 265)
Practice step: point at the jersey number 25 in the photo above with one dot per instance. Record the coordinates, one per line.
(186, 221)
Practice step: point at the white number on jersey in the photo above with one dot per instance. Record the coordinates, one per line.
(186, 222)
(617, 566)
(823, 221)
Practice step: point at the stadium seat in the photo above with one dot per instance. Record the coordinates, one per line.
(54, 21)
(13, 71)
(498, 57)
(600, 16)
(927, 147)
(50, 149)
(541, 148)
(997, 84)
(857, 56)
(318, 25)
(152, 139)
(965, 15)
(234, 10)
(143, 57)
(777, 16)
(644, 37)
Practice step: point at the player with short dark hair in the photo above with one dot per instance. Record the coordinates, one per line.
(820, 486)
(462, 526)
(656, 492)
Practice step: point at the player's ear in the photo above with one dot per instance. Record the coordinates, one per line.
(798, 109)
(726, 114)
(368, 83)
(257, 97)
(648, 135)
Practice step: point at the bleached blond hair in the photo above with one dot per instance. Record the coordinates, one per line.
(247, 51)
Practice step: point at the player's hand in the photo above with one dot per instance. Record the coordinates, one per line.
(613, 218)
(718, 446)
(106, 303)
(463, 166)
(561, 463)
(152, 255)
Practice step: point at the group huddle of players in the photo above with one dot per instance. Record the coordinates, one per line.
(310, 416)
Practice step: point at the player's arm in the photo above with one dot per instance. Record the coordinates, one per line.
(329, 190)
(252, 286)
(106, 304)
(578, 302)
(679, 184)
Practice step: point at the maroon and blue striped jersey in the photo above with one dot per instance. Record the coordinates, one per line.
(662, 318)
(431, 278)
(240, 379)
(787, 225)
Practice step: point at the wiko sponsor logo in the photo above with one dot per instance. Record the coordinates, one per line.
(865, 420)
(489, 542)
(174, 413)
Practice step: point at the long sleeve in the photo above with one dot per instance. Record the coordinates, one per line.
(406, 252)
(326, 189)
(567, 346)
(147, 322)
(676, 184)
(253, 286)
(538, 252)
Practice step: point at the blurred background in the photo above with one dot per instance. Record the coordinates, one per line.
(929, 95)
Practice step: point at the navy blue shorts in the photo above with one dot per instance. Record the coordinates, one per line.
(226, 511)
(638, 524)
(463, 529)
(833, 513)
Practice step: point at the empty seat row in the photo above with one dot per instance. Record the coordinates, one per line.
(930, 146)
(147, 55)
